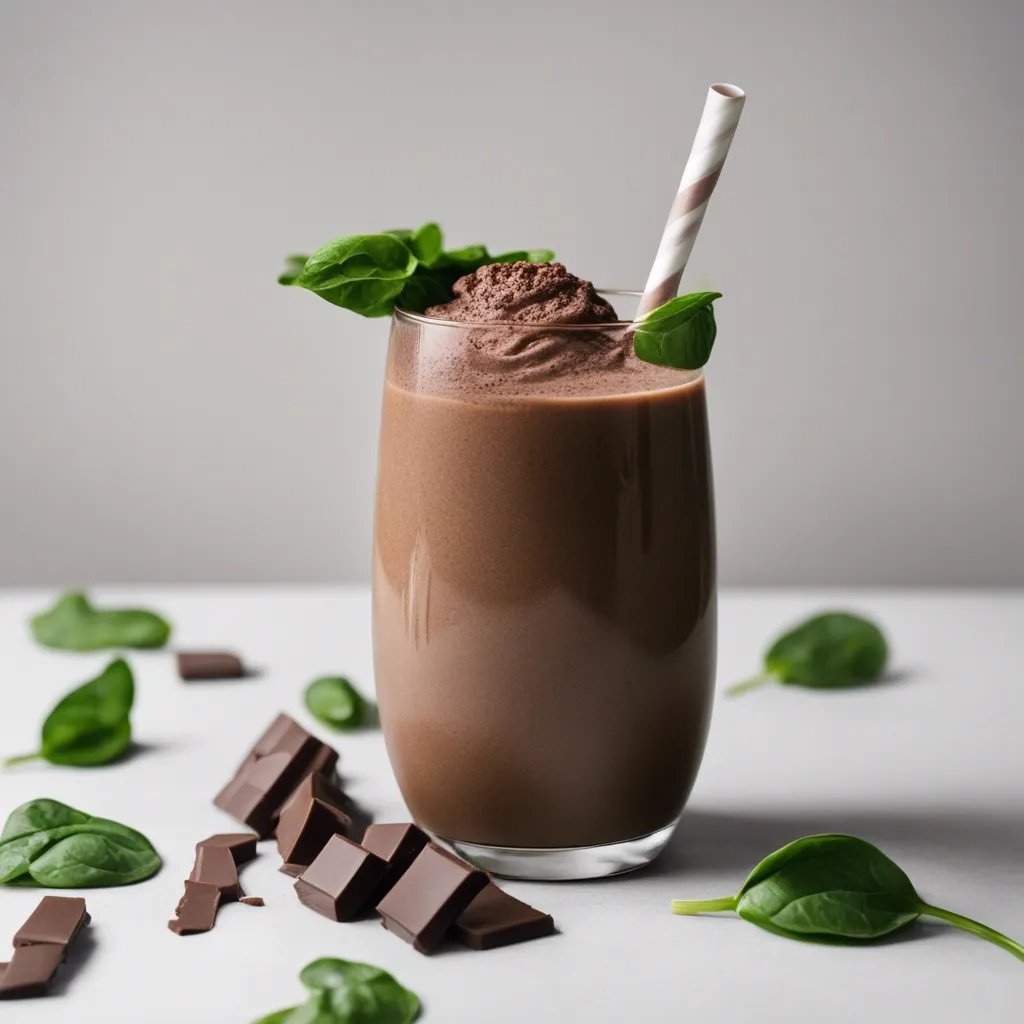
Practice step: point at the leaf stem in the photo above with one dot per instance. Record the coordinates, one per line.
(22, 758)
(976, 928)
(749, 684)
(704, 906)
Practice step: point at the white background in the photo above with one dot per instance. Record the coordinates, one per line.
(927, 766)
(167, 413)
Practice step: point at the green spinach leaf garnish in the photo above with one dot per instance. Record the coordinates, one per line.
(47, 843)
(92, 724)
(833, 650)
(336, 702)
(344, 992)
(679, 333)
(371, 274)
(834, 888)
(73, 624)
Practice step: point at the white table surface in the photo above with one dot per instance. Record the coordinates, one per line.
(928, 766)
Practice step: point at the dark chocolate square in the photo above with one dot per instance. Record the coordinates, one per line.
(341, 881)
(57, 920)
(496, 919)
(316, 811)
(193, 665)
(197, 909)
(31, 970)
(216, 865)
(281, 758)
(427, 900)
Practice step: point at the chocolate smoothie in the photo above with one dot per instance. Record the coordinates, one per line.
(544, 568)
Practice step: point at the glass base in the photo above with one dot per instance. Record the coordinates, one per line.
(564, 864)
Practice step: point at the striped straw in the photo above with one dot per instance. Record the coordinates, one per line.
(710, 146)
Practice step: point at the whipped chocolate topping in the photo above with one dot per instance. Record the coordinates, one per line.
(525, 293)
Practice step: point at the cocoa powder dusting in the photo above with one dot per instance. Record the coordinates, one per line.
(525, 293)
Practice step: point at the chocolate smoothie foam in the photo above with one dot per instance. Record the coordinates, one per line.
(578, 347)
(544, 569)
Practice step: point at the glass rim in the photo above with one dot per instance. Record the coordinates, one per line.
(607, 325)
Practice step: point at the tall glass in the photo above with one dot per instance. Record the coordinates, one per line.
(543, 596)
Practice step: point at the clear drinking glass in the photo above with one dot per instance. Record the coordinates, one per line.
(544, 597)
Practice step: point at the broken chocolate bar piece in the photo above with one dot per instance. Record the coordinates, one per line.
(56, 921)
(399, 844)
(241, 844)
(282, 757)
(427, 900)
(341, 881)
(193, 665)
(316, 811)
(496, 919)
(197, 909)
(216, 865)
(31, 970)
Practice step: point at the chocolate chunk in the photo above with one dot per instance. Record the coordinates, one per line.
(316, 811)
(216, 865)
(197, 909)
(496, 919)
(209, 665)
(342, 880)
(282, 757)
(399, 844)
(252, 901)
(427, 900)
(241, 844)
(31, 970)
(292, 870)
(56, 921)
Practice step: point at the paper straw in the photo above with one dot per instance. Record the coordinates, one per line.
(710, 146)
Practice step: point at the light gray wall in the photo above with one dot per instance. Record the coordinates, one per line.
(168, 413)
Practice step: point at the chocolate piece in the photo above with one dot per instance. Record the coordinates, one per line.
(292, 870)
(216, 865)
(281, 758)
(241, 844)
(31, 970)
(316, 811)
(342, 880)
(197, 909)
(252, 901)
(209, 665)
(496, 919)
(56, 921)
(427, 900)
(399, 844)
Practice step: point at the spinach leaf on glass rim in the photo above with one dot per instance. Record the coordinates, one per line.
(371, 274)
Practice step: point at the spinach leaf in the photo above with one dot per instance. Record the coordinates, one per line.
(371, 274)
(336, 703)
(427, 242)
(834, 888)
(92, 724)
(828, 651)
(47, 843)
(345, 992)
(73, 624)
(680, 333)
(359, 272)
